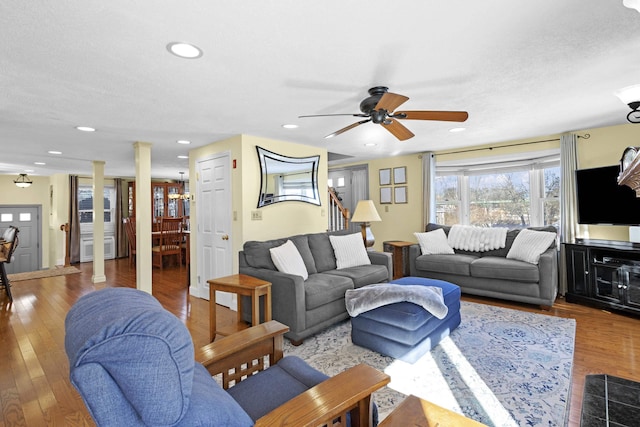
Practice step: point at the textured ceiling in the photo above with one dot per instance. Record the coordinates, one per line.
(521, 69)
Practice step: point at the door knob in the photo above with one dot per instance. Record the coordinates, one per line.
(225, 237)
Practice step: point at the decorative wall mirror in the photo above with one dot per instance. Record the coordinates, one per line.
(284, 178)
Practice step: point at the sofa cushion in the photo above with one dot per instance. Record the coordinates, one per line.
(288, 260)
(349, 250)
(450, 264)
(530, 244)
(322, 288)
(322, 252)
(505, 269)
(434, 243)
(363, 275)
(257, 253)
(302, 243)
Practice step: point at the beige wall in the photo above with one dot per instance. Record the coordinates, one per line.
(36, 194)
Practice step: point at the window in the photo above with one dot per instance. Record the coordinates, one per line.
(510, 194)
(85, 206)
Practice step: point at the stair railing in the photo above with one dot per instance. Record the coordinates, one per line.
(338, 214)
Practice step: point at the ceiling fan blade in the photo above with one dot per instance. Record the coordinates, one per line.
(327, 115)
(391, 101)
(343, 130)
(398, 130)
(445, 116)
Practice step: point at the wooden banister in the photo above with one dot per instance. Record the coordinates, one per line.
(338, 214)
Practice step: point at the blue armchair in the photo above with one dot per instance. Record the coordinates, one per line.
(134, 364)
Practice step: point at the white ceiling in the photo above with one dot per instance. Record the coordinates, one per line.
(521, 69)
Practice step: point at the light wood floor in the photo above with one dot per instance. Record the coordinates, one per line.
(34, 385)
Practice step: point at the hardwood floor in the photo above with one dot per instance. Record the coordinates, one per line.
(34, 385)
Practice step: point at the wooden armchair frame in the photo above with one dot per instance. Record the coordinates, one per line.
(6, 252)
(251, 350)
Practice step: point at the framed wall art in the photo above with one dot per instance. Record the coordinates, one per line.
(400, 175)
(385, 195)
(385, 176)
(400, 194)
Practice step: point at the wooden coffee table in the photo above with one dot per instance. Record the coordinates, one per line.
(414, 411)
(242, 285)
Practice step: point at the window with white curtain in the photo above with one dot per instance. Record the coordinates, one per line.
(514, 194)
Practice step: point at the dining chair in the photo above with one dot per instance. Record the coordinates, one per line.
(130, 230)
(9, 244)
(186, 230)
(170, 241)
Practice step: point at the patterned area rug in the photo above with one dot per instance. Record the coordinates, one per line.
(501, 367)
(16, 277)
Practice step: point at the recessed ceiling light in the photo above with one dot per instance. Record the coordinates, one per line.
(183, 157)
(29, 170)
(183, 141)
(39, 163)
(457, 129)
(54, 152)
(370, 144)
(184, 50)
(86, 128)
(290, 126)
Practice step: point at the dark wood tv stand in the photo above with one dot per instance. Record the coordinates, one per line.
(604, 273)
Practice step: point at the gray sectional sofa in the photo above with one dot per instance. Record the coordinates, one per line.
(490, 273)
(309, 306)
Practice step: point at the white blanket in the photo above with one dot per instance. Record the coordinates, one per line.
(477, 239)
(373, 296)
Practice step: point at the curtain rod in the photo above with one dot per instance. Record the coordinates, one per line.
(586, 136)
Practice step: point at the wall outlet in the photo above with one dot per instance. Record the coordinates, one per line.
(256, 216)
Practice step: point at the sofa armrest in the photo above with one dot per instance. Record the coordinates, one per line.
(287, 295)
(548, 268)
(349, 391)
(382, 258)
(229, 356)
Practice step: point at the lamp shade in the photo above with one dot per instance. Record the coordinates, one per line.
(365, 212)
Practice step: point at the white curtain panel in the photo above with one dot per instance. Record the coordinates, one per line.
(568, 204)
(428, 188)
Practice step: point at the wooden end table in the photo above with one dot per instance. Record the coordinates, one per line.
(398, 253)
(242, 285)
(414, 411)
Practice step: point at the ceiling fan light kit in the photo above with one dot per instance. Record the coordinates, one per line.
(379, 108)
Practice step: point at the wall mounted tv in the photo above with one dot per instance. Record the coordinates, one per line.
(602, 201)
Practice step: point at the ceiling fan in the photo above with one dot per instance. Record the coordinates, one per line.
(380, 107)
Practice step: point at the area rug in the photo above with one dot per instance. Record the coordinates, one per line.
(39, 274)
(501, 367)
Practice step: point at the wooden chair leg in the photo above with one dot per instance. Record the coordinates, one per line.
(5, 281)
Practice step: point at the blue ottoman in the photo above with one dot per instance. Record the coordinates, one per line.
(404, 330)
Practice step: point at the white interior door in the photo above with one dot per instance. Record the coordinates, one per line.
(213, 206)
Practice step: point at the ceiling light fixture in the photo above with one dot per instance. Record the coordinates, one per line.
(183, 157)
(370, 144)
(454, 130)
(183, 142)
(39, 163)
(86, 128)
(290, 126)
(184, 50)
(54, 152)
(22, 181)
(630, 95)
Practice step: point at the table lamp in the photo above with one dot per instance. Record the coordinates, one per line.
(365, 213)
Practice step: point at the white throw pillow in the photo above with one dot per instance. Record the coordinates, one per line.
(530, 244)
(349, 250)
(288, 260)
(434, 243)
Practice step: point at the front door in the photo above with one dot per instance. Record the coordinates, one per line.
(27, 256)
(213, 206)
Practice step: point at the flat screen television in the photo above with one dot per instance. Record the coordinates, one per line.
(602, 201)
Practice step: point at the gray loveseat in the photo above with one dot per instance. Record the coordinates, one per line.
(490, 273)
(309, 306)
